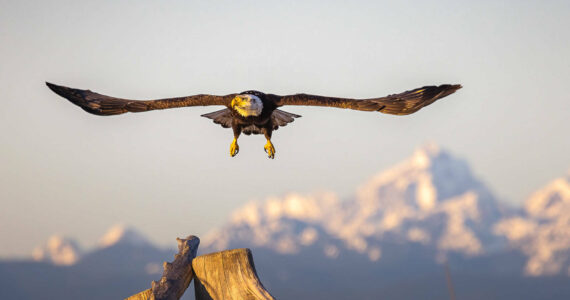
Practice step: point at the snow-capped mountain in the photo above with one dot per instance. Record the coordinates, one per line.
(390, 239)
(64, 251)
(121, 241)
(58, 251)
(123, 263)
(122, 234)
(395, 232)
(543, 231)
(431, 199)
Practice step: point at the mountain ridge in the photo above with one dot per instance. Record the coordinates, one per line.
(431, 199)
(390, 238)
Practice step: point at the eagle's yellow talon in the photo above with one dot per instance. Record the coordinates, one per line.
(234, 148)
(269, 149)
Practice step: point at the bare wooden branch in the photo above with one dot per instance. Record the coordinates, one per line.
(176, 276)
(228, 274)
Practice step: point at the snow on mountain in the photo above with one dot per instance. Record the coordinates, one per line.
(284, 225)
(431, 199)
(124, 249)
(121, 234)
(64, 251)
(122, 264)
(543, 232)
(387, 239)
(58, 251)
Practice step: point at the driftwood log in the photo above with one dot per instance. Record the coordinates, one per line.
(176, 276)
(227, 274)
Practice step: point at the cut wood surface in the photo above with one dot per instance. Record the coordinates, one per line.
(144, 295)
(176, 276)
(227, 274)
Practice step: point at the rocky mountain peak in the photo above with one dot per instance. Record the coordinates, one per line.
(431, 199)
(58, 250)
(122, 234)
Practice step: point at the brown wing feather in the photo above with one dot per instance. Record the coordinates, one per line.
(105, 105)
(281, 118)
(399, 104)
(223, 117)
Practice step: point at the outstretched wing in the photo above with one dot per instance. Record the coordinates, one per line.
(103, 105)
(400, 104)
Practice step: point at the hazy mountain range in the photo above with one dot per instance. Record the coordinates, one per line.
(390, 240)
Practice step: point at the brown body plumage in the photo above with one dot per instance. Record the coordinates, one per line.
(254, 112)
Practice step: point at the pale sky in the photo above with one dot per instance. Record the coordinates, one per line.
(168, 173)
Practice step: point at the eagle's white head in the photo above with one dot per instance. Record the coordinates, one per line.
(247, 105)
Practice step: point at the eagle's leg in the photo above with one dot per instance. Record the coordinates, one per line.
(234, 147)
(269, 149)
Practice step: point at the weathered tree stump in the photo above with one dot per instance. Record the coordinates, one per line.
(227, 274)
(176, 276)
(222, 275)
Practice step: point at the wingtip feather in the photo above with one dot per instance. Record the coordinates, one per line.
(60, 90)
(52, 86)
(449, 89)
(454, 87)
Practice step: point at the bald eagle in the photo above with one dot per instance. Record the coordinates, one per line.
(254, 112)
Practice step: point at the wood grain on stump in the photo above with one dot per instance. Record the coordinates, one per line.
(227, 274)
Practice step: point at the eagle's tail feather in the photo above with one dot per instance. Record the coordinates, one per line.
(282, 118)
